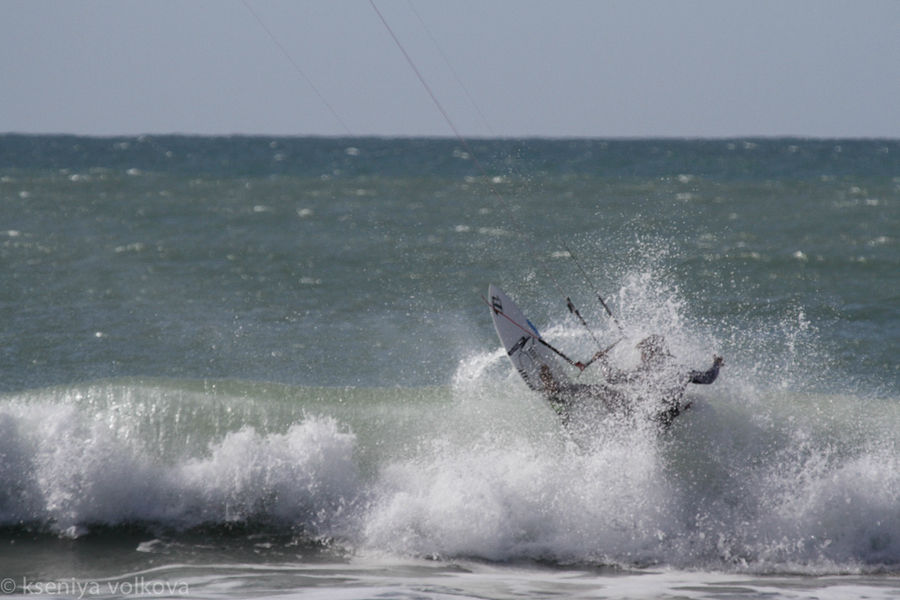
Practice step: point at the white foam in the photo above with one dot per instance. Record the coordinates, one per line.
(782, 483)
(69, 468)
(304, 475)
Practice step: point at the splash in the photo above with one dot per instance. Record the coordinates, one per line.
(766, 473)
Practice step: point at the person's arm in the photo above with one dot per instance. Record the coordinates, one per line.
(599, 355)
(614, 375)
(710, 375)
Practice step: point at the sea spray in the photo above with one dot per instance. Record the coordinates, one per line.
(764, 473)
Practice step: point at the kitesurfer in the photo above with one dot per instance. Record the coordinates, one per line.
(658, 379)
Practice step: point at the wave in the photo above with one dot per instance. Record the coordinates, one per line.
(71, 464)
(477, 469)
(779, 466)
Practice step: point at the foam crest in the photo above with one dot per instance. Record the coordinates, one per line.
(306, 475)
(66, 469)
(829, 504)
(501, 501)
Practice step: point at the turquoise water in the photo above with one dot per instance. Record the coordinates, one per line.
(267, 361)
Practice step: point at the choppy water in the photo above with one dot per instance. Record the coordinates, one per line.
(258, 366)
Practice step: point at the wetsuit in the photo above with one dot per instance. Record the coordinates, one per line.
(661, 381)
(664, 382)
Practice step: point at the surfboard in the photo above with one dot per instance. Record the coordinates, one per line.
(520, 339)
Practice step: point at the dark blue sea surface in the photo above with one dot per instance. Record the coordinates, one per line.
(302, 260)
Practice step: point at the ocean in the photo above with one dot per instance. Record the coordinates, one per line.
(245, 367)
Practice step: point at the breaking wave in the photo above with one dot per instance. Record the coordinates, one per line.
(770, 471)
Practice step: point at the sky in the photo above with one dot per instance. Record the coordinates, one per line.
(495, 68)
